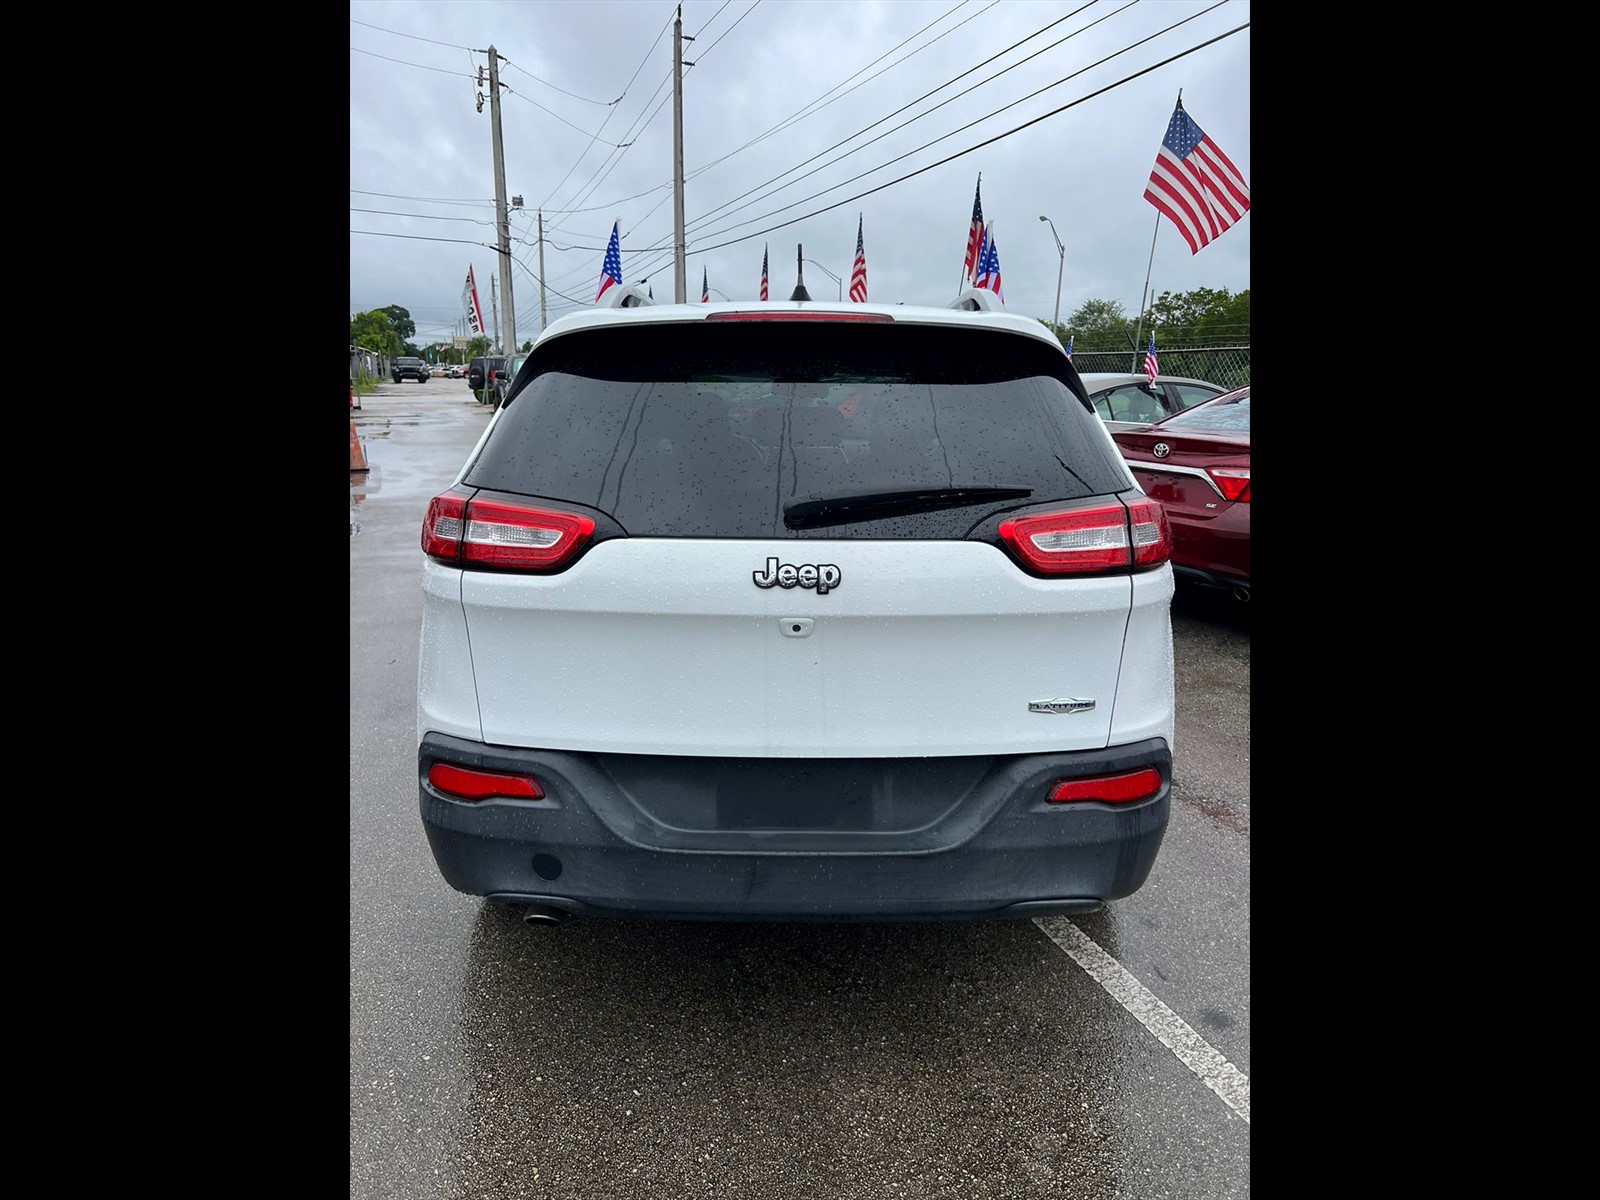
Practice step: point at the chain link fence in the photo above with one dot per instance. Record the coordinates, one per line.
(1226, 366)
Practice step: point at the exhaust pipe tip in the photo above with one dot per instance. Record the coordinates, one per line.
(536, 915)
(1242, 595)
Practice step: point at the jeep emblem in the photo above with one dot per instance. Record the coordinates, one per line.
(822, 576)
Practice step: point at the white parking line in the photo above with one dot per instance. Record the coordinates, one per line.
(1215, 1071)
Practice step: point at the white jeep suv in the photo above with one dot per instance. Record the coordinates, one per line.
(795, 610)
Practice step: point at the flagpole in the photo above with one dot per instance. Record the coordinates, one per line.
(1140, 331)
(964, 278)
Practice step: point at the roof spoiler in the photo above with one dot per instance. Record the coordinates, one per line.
(631, 296)
(976, 299)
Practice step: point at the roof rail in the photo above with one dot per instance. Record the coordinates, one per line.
(631, 296)
(976, 299)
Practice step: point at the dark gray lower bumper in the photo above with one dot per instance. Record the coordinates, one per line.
(795, 839)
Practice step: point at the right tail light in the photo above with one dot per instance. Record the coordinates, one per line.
(1092, 539)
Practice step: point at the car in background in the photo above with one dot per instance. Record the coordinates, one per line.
(844, 612)
(1197, 464)
(478, 372)
(501, 381)
(1126, 399)
(409, 368)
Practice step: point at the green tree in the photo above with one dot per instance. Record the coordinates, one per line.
(400, 321)
(1203, 317)
(1096, 325)
(479, 346)
(374, 331)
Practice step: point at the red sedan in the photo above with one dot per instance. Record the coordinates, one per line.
(1197, 464)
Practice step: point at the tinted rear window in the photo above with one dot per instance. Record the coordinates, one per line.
(709, 429)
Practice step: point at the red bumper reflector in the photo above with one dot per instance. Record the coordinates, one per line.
(1108, 789)
(464, 784)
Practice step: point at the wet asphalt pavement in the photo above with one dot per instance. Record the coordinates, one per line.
(609, 1059)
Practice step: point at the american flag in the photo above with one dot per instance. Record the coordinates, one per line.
(763, 272)
(705, 290)
(858, 273)
(1069, 347)
(1150, 360)
(989, 264)
(611, 271)
(1194, 184)
(969, 268)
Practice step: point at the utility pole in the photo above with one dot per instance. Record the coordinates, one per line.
(542, 319)
(680, 284)
(502, 219)
(494, 307)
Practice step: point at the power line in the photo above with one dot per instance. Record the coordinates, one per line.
(420, 216)
(610, 114)
(970, 124)
(412, 36)
(951, 100)
(960, 153)
(563, 91)
(423, 199)
(702, 219)
(556, 115)
(415, 237)
(701, 55)
(610, 164)
(419, 66)
(791, 117)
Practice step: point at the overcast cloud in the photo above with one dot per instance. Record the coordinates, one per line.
(780, 90)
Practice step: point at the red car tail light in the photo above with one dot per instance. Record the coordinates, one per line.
(1233, 481)
(465, 784)
(490, 533)
(1126, 788)
(1097, 538)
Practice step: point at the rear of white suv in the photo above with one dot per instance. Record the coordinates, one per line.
(795, 611)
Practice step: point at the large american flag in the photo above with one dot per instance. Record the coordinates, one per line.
(763, 272)
(1195, 184)
(1150, 360)
(705, 288)
(611, 269)
(1069, 347)
(858, 273)
(969, 268)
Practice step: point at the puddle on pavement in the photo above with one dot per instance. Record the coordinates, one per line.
(362, 484)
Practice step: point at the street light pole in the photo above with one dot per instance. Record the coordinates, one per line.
(830, 275)
(1061, 251)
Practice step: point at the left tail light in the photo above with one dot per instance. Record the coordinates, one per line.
(464, 531)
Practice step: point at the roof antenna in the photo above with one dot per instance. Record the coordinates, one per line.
(799, 292)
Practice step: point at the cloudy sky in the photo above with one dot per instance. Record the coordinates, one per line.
(794, 111)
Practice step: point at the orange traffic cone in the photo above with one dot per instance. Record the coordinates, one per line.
(358, 456)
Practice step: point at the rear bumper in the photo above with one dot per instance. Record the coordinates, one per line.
(775, 839)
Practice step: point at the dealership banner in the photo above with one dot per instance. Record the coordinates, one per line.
(469, 300)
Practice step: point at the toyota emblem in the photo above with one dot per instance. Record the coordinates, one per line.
(1161, 450)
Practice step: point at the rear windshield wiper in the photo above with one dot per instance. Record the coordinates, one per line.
(812, 511)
